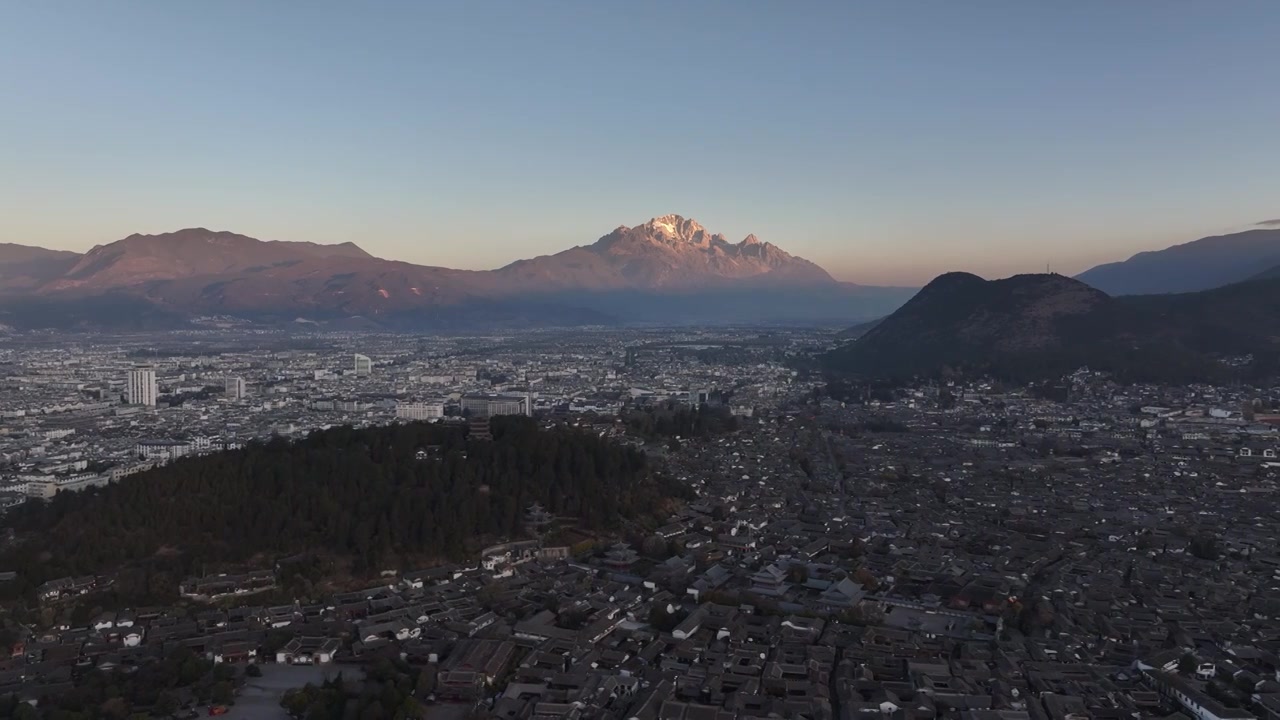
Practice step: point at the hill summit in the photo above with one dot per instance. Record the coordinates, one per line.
(959, 319)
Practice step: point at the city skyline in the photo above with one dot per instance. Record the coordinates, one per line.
(885, 144)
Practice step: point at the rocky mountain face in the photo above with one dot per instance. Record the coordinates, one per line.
(1038, 326)
(665, 253)
(1200, 265)
(669, 269)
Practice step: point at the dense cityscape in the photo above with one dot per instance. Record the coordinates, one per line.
(373, 361)
(955, 548)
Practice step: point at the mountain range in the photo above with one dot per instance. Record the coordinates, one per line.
(669, 270)
(1040, 326)
(1200, 265)
(1170, 314)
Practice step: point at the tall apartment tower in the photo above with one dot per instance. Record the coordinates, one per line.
(141, 387)
(235, 388)
(364, 366)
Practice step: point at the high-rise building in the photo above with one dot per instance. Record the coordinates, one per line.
(235, 389)
(141, 387)
(364, 366)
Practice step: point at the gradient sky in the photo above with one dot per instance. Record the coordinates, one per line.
(888, 141)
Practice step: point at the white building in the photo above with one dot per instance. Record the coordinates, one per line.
(46, 488)
(308, 651)
(235, 388)
(141, 387)
(172, 449)
(364, 366)
(420, 411)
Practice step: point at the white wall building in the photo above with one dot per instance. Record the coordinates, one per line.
(140, 389)
(364, 365)
(46, 488)
(420, 411)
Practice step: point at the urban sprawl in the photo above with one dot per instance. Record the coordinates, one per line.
(953, 549)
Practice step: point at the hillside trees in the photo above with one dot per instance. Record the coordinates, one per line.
(367, 493)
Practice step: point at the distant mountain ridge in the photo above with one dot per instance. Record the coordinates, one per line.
(23, 267)
(194, 252)
(669, 269)
(1199, 265)
(1037, 326)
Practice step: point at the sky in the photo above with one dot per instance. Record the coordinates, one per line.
(887, 141)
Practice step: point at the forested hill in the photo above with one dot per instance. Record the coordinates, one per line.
(369, 494)
(1036, 327)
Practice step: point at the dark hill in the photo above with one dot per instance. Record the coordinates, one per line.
(1270, 273)
(1200, 265)
(1031, 326)
(362, 494)
(960, 320)
(857, 331)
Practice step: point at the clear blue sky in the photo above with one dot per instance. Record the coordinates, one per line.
(887, 140)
